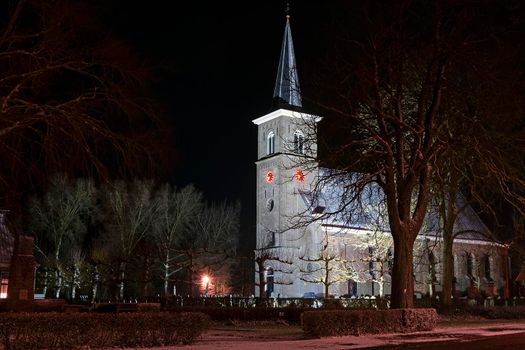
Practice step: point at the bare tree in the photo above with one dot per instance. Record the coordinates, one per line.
(72, 274)
(209, 243)
(272, 259)
(222, 242)
(100, 256)
(218, 227)
(128, 218)
(326, 266)
(517, 245)
(385, 119)
(378, 258)
(481, 164)
(175, 210)
(70, 94)
(60, 220)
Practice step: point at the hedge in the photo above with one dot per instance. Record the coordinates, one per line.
(92, 330)
(290, 314)
(321, 323)
(496, 312)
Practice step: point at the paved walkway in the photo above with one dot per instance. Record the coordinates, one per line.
(290, 337)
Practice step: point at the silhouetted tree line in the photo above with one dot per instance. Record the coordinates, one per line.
(126, 240)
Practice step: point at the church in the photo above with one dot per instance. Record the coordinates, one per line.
(300, 253)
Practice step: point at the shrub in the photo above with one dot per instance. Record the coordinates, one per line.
(321, 323)
(148, 307)
(67, 331)
(49, 305)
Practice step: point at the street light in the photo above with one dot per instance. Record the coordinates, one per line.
(206, 283)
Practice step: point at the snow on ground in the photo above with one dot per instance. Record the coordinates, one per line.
(282, 338)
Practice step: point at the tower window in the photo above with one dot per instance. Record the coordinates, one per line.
(270, 143)
(298, 142)
(271, 240)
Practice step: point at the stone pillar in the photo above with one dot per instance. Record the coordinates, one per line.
(20, 292)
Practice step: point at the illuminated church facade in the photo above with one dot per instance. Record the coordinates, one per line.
(302, 256)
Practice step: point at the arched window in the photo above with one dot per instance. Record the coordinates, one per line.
(270, 144)
(390, 260)
(269, 282)
(352, 288)
(371, 262)
(298, 142)
(432, 267)
(470, 265)
(488, 268)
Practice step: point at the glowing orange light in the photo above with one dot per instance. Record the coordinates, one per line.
(205, 280)
(269, 177)
(206, 284)
(299, 176)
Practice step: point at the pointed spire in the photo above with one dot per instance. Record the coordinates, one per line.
(287, 90)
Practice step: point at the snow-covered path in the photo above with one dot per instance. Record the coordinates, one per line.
(290, 337)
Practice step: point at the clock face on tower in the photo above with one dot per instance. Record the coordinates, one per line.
(299, 176)
(269, 177)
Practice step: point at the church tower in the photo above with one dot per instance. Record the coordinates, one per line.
(287, 148)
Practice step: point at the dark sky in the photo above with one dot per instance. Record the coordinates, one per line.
(216, 63)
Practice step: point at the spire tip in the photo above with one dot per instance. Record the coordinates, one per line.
(287, 89)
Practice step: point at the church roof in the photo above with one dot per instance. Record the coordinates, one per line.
(468, 224)
(366, 211)
(287, 91)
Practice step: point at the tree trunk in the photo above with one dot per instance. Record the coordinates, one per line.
(166, 279)
(402, 273)
(46, 281)
(76, 283)
(58, 283)
(326, 278)
(166, 274)
(146, 275)
(122, 276)
(262, 282)
(194, 291)
(58, 272)
(94, 285)
(448, 212)
(448, 272)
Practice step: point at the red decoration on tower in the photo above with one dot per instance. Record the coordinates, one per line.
(299, 175)
(269, 177)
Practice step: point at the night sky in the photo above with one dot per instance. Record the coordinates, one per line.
(216, 64)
